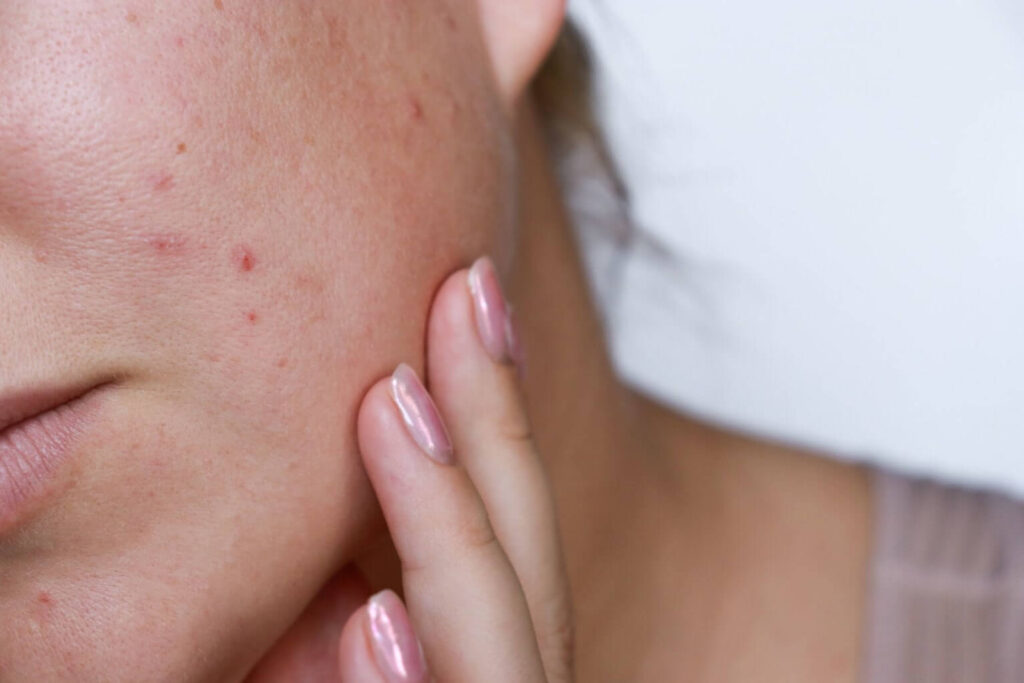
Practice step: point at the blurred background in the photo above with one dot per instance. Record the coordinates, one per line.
(827, 211)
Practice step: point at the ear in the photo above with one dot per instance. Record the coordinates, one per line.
(519, 34)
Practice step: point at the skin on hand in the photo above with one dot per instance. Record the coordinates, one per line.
(470, 513)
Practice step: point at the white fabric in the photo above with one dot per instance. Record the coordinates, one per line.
(830, 198)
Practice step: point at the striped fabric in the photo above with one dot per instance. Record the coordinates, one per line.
(947, 594)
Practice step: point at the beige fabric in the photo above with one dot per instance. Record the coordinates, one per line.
(947, 594)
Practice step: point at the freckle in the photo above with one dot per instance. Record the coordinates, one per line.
(219, 5)
(162, 182)
(244, 258)
(132, 18)
(182, 148)
(309, 140)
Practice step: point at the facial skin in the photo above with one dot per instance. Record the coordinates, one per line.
(237, 211)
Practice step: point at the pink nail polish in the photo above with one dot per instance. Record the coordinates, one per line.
(420, 415)
(492, 314)
(515, 343)
(395, 646)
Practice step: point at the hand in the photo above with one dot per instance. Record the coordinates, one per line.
(470, 514)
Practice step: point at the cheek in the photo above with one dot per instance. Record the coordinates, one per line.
(249, 184)
(244, 211)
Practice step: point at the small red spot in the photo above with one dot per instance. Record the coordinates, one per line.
(336, 37)
(244, 258)
(415, 109)
(282, 363)
(179, 41)
(219, 5)
(449, 20)
(45, 598)
(162, 181)
(167, 244)
(253, 317)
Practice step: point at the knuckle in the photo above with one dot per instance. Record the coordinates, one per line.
(557, 634)
(475, 532)
(516, 430)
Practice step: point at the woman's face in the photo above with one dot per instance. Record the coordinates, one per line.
(236, 212)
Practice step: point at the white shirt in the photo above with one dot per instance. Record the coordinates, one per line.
(830, 199)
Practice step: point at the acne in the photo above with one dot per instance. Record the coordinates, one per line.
(282, 363)
(167, 244)
(45, 599)
(252, 317)
(416, 112)
(162, 182)
(244, 259)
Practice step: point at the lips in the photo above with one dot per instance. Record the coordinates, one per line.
(39, 429)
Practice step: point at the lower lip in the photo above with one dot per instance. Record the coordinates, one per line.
(32, 453)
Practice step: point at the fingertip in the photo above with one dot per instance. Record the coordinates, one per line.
(451, 315)
(356, 661)
(377, 418)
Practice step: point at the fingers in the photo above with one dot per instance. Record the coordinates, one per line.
(462, 592)
(378, 645)
(473, 353)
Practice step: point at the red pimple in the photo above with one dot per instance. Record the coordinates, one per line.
(282, 363)
(45, 598)
(416, 109)
(245, 260)
(253, 317)
(167, 244)
(162, 182)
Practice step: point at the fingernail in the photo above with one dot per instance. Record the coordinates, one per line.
(395, 646)
(420, 415)
(492, 312)
(515, 343)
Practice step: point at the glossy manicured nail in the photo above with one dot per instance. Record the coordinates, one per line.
(515, 343)
(492, 312)
(395, 646)
(420, 415)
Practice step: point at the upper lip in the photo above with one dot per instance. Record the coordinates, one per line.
(18, 405)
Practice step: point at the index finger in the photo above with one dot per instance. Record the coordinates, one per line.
(462, 594)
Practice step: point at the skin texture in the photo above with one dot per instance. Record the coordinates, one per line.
(201, 201)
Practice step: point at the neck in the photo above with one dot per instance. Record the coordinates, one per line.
(664, 518)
